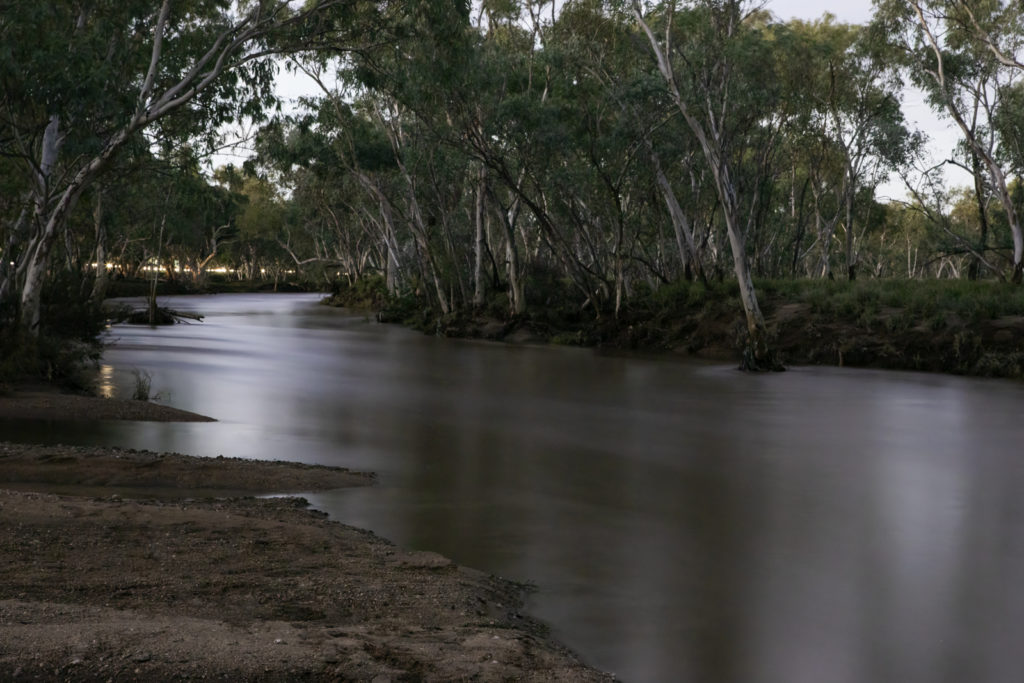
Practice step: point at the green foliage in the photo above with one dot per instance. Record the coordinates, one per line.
(557, 119)
(67, 347)
(367, 293)
(681, 295)
(69, 363)
(409, 310)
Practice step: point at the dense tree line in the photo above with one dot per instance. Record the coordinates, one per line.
(490, 155)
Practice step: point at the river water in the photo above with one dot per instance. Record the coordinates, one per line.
(681, 521)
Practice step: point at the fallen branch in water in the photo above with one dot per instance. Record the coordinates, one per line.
(158, 316)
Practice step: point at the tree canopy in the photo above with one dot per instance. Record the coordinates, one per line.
(483, 155)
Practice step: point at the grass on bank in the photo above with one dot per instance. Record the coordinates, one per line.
(963, 327)
(919, 300)
(912, 301)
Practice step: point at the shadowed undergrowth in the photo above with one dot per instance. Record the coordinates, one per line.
(961, 327)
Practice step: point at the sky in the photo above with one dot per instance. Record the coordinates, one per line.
(848, 11)
(941, 133)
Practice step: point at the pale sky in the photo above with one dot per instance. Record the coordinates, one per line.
(850, 11)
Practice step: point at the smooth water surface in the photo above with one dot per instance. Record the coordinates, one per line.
(682, 522)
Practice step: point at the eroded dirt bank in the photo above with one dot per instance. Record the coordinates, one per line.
(155, 587)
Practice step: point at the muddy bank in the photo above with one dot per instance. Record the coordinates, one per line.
(46, 403)
(161, 475)
(159, 587)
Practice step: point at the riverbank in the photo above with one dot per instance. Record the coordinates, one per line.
(42, 402)
(129, 565)
(958, 327)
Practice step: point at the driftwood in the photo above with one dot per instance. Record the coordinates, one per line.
(158, 316)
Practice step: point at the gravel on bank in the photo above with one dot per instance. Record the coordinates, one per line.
(132, 580)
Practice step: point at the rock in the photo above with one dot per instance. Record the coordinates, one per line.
(426, 560)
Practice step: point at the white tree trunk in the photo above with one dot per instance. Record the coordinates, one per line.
(757, 355)
(47, 224)
(680, 223)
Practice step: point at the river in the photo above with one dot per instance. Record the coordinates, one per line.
(681, 521)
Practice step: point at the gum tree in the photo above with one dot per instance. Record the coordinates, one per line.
(963, 54)
(101, 74)
(705, 54)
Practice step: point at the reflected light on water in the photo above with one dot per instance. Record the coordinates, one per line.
(105, 382)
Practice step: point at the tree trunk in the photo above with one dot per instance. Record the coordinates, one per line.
(8, 268)
(974, 270)
(688, 256)
(798, 216)
(391, 246)
(756, 355)
(515, 284)
(416, 222)
(851, 252)
(419, 229)
(102, 279)
(480, 242)
(47, 223)
(156, 270)
(824, 240)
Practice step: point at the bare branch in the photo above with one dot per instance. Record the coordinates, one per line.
(158, 40)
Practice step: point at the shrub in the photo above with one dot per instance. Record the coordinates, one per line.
(143, 382)
(367, 293)
(67, 346)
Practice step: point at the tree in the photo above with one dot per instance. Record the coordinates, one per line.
(708, 82)
(965, 69)
(103, 73)
(862, 116)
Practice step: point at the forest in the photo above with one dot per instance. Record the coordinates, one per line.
(510, 158)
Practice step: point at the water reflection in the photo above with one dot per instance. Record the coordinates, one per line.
(105, 381)
(681, 521)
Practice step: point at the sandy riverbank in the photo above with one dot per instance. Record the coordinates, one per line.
(141, 569)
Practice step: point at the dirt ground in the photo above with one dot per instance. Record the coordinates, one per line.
(42, 403)
(141, 569)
